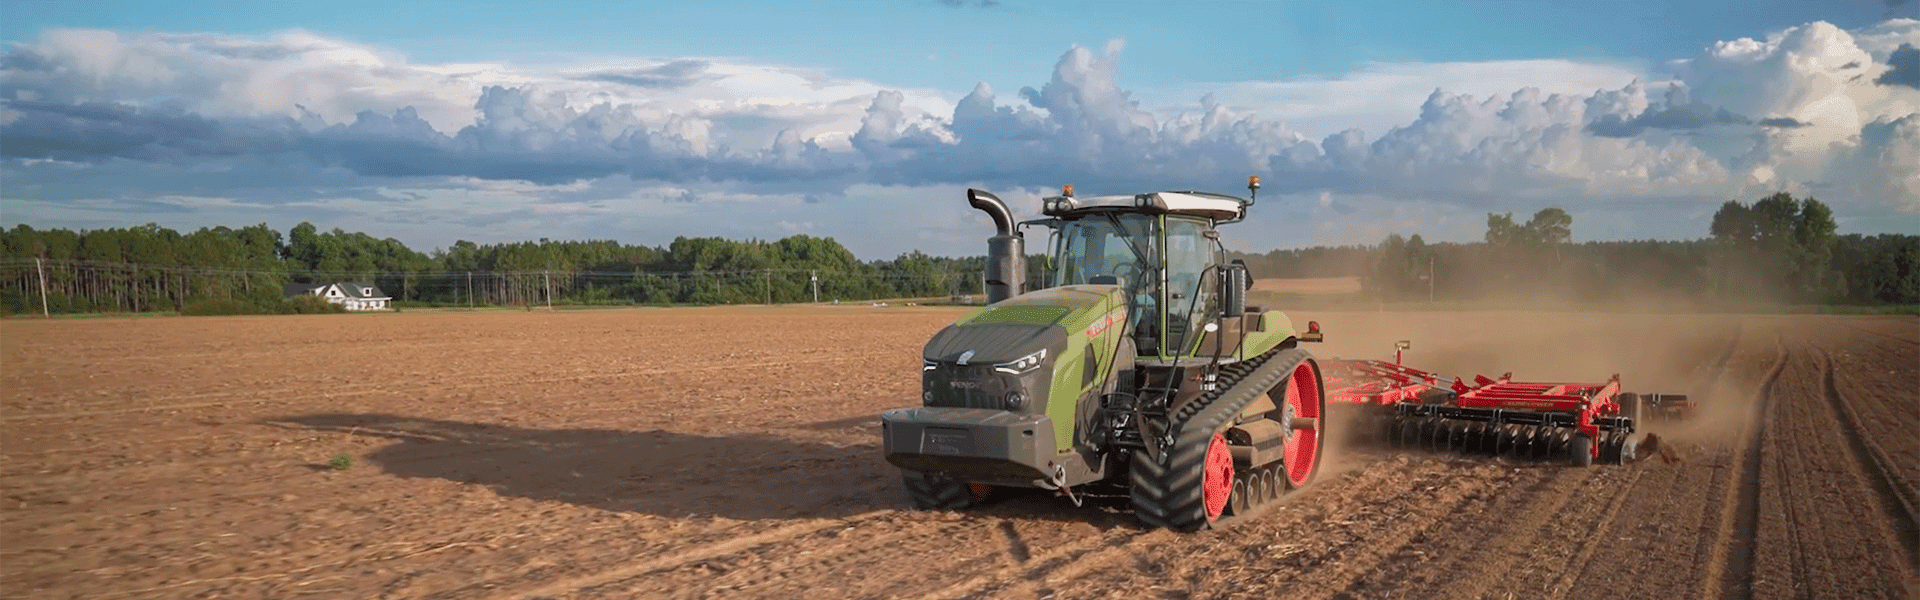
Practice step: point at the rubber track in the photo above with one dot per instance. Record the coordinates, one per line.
(1168, 493)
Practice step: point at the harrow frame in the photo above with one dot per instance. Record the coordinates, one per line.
(1422, 408)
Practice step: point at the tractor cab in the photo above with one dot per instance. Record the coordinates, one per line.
(1160, 248)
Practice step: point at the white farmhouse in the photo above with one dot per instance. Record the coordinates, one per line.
(351, 294)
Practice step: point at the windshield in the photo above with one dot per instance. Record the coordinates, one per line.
(1121, 246)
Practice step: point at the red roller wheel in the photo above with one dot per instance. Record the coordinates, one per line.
(1305, 400)
(1218, 485)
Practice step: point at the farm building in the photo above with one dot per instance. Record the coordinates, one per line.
(351, 294)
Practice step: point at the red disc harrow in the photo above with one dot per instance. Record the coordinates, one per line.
(1581, 422)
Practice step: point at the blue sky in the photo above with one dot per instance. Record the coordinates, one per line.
(890, 40)
(494, 121)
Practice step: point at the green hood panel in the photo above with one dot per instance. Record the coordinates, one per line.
(1076, 326)
(1072, 307)
(1027, 315)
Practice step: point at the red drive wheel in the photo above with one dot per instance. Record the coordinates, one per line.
(1305, 403)
(1217, 486)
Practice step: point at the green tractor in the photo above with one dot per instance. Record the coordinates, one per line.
(1140, 371)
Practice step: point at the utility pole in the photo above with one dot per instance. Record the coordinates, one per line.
(469, 290)
(1429, 279)
(767, 276)
(38, 268)
(549, 278)
(813, 276)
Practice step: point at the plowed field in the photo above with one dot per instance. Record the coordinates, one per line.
(723, 453)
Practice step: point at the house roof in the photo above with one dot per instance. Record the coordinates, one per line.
(295, 289)
(348, 289)
(352, 290)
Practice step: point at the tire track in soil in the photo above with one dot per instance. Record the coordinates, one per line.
(1064, 558)
(1641, 548)
(1372, 546)
(1896, 502)
(1374, 487)
(1464, 543)
(806, 568)
(1595, 538)
(1365, 534)
(1072, 556)
(467, 383)
(1733, 550)
(1636, 556)
(823, 554)
(1822, 532)
(1580, 571)
(965, 543)
(686, 556)
(1778, 435)
(1580, 530)
(1883, 334)
(1645, 554)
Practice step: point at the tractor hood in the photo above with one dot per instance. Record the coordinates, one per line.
(1018, 327)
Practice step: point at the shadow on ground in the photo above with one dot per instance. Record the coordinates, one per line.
(751, 476)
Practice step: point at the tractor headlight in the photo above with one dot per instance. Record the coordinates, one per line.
(1022, 364)
(1015, 400)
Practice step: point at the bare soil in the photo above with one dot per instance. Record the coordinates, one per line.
(693, 453)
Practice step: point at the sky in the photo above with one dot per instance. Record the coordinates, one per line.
(866, 120)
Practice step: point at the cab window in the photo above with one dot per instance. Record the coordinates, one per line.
(1095, 246)
(1190, 290)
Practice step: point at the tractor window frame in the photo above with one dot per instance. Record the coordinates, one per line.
(1071, 268)
(1189, 259)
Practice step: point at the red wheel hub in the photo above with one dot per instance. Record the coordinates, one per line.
(1303, 445)
(1218, 483)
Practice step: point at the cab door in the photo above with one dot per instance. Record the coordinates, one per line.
(1190, 292)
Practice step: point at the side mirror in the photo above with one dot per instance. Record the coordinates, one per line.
(1236, 282)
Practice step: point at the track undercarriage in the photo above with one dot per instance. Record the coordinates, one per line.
(1245, 442)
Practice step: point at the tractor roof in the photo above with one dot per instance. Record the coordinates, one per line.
(1219, 207)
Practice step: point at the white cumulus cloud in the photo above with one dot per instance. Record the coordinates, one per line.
(298, 125)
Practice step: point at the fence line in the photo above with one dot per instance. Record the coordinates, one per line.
(94, 286)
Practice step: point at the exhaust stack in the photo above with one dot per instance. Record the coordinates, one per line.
(1006, 250)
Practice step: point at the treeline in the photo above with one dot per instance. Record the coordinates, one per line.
(1779, 249)
(152, 268)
